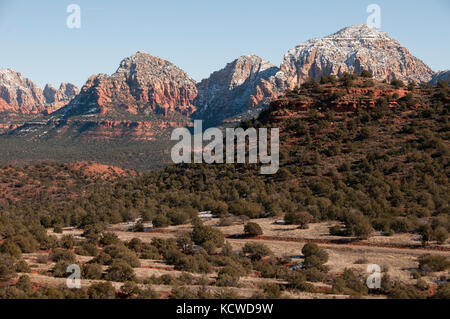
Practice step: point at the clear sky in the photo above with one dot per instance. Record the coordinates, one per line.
(199, 36)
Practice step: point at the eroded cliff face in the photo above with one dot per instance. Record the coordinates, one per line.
(19, 94)
(58, 98)
(349, 100)
(249, 81)
(440, 76)
(242, 84)
(353, 49)
(142, 84)
(108, 130)
(65, 93)
(148, 90)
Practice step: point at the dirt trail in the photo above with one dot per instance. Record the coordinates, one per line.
(343, 243)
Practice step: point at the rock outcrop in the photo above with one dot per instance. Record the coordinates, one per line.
(244, 83)
(110, 130)
(353, 49)
(65, 93)
(440, 76)
(141, 85)
(18, 94)
(58, 98)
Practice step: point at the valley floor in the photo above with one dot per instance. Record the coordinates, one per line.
(398, 262)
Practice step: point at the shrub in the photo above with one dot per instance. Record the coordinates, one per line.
(328, 79)
(202, 235)
(433, 263)
(182, 293)
(60, 269)
(138, 227)
(440, 234)
(109, 239)
(102, 259)
(397, 84)
(226, 221)
(7, 269)
(252, 229)
(93, 232)
(349, 283)
(311, 84)
(401, 225)
(230, 270)
(312, 249)
(24, 284)
(315, 257)
(426, 233)
(57, 229)
(178, 217)
(256, 251)
(102, 290)
(22, 266)
(92, 271)
(10, 248)
(365, 133)
(147, 293)
(204, 267)
(161, 221)
(118, 252)
(316, 273)
(87, 249)
(298, 218)
(443, 291)
(348, 83)
(226, 294)
(225, 280)
(357, 225)
(185, 243)
(402, 291)
(129, 289)
(366, 74)
(26, 243)
(135, 244)
(246, 208)
(267, 269)
(62, 255)
(297, 281)
(361, 261)
(272, 291)
(150, 252)
(42, 259)
(67, 241)
(120, 271)
(369, 84)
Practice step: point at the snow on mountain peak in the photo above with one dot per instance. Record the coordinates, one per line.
(353, 49)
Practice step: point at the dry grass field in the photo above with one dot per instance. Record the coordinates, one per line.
(398, 262)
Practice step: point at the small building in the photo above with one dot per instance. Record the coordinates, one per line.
(205, 215)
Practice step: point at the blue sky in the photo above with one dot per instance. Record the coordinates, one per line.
(200, 36)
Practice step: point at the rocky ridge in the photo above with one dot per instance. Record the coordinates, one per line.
(353, 49)
(242, 84)
(65, 93)
(142, 84)
(19, 94)
(145, 85)
(440, 76)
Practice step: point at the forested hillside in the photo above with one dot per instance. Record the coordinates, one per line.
(372, 155)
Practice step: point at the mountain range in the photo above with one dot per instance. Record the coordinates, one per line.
(147, 94)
